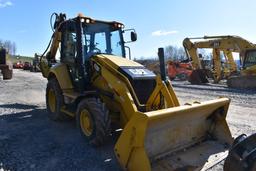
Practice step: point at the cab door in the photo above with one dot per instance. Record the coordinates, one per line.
(69, 52)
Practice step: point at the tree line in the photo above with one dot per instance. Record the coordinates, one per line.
(178, 53)
(9, 46)
(175, 53)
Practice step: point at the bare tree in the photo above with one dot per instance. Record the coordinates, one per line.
(14, 48)
(175, 53)
(181, 54)
(170, 52)
(1, 43)
(9, 46)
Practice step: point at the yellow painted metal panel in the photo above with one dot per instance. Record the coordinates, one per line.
(60, 71)
(116, 61)
(154, 135)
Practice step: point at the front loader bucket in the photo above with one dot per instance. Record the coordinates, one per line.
(189, 137)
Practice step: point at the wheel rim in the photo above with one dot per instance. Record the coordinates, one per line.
(52, 100)
(86, 122)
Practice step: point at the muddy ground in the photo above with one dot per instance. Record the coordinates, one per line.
(30, 141)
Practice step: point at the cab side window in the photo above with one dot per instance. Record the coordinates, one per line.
(250, 59)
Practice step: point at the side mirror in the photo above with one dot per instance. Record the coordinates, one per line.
(133, 36)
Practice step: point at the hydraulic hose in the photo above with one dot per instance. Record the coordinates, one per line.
(53, 27)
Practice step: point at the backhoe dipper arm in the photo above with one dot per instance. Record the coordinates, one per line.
(56, 38)
(191, 52)
(53, 45)
(51, 55)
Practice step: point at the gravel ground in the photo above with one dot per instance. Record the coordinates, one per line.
(242, 110)
(30, 141)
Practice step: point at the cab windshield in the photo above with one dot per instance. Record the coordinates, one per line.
(250, 59)
(102, 38)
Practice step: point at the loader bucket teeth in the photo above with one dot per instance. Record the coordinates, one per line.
(189, 136)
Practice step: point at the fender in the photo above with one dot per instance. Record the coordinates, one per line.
(60, 72)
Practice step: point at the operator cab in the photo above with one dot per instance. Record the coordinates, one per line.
(250, 58)
(83, 37)
(103, 38)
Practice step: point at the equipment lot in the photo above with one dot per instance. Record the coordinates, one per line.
(31, 141)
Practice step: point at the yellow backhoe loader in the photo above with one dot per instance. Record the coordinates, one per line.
(95, 83)
(5, 65)
(227, 44)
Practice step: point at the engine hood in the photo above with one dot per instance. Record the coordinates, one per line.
(137, 74)
(117, 61)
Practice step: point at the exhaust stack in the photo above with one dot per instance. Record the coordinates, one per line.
(162, 63)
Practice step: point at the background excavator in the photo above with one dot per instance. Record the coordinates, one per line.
(96, 84)
(227, 44)
(5, 65)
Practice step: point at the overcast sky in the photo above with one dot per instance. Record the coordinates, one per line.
(158, 23)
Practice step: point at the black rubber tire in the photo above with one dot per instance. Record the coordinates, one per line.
(57, 115)
(100, 120)
(7, 73)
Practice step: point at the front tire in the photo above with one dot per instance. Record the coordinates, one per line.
(93, 121)
(54, 100)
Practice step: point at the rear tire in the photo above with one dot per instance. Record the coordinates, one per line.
(54, 100)
(7, 73)
(93, 121)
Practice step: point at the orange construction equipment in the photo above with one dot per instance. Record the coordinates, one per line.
(181, 70)
(18, 65)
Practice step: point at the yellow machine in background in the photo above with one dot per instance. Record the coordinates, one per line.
(5, 64)
(226, 44)
(95, 83)
(219, 69)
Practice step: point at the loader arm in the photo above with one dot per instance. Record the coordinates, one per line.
(153, 138)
